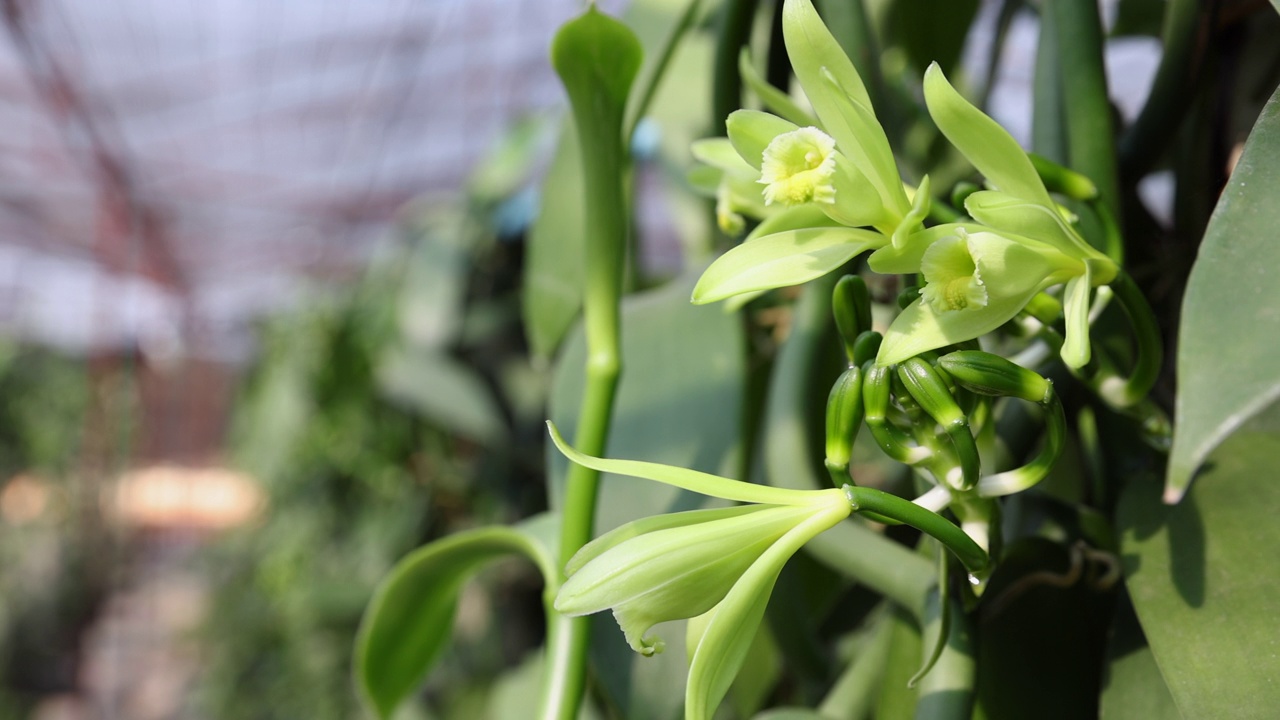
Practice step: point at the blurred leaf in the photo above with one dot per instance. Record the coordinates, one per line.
(791, 714)
(557, 243)
(679, 403)
(898, 699)
(434, 287)
(1139, 17)
(1227, 370)
(507, 164)
(930, 31)
(1205, 576)
(442, 390)
(410, 618)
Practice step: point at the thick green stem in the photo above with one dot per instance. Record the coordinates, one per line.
(1187, 27)
(1090, 135)
(597, 59)
(975, 559)
(735, 31)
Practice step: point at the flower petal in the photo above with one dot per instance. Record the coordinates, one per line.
(736, 619)
(786, 258)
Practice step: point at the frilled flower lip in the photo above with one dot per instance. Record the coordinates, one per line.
(953, 279)
(799, 167)
(1011, 271)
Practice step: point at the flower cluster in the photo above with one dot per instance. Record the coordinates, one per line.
(831, 190)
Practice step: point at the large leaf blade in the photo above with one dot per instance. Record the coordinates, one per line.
(1204, 577)
(1231, 304)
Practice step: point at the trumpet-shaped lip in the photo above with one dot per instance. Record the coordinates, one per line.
(799, 167)
(952, 275)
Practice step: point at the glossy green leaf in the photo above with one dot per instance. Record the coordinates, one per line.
(410, 618)
(786, 258)
(990, 148)
(1204, 576)
(1227, 371)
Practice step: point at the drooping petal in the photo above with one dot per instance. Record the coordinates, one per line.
(1076, 349)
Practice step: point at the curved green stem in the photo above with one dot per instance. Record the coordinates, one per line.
(850, 548)
(1019, 479)
(1127, 392)
(974, 558)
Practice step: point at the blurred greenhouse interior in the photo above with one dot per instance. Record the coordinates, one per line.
(217, 431)
(261, 332)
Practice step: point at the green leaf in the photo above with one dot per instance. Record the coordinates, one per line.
(1204, 576)
(1132, 684)
(786, 258)
(990, 148)
(443, 390)
(410, 618)
(1227, 370)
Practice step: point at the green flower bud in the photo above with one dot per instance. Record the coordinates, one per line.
(676, 572)
(844, 415)
(988, 374)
